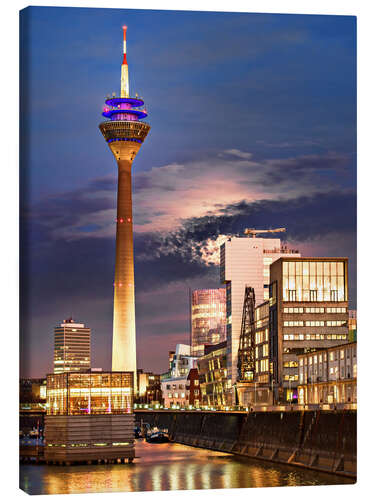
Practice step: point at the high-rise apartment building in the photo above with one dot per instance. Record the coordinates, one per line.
(308, 310)
(245, 262)
(208, 318)
(72, 350)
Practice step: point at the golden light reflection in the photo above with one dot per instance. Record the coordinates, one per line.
(168, 467)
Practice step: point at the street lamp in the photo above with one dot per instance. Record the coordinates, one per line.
(255, 395)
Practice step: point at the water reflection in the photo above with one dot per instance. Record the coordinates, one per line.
(168, 467)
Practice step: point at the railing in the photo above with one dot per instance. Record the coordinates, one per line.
(252, 408)
(281, 250)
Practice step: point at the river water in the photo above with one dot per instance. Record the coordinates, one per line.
(168, 466)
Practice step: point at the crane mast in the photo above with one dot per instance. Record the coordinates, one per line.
(253, 232)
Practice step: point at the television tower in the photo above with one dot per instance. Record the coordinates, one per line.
(124, 134)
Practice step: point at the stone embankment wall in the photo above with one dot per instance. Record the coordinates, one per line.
(321, 440)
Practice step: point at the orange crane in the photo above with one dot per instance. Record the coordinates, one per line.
(254, 232)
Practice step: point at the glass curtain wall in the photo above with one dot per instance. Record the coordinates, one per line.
(314, 281)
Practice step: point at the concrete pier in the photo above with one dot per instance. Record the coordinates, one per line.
(318, 440)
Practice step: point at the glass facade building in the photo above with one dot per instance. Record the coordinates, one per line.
(91, 393)
(208, 316)
(314, 281)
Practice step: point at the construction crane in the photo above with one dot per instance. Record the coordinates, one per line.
(254, 232)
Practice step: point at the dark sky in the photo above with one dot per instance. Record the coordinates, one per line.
(253, 124)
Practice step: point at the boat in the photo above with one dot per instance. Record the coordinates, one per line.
(137, 432)
(156, 435)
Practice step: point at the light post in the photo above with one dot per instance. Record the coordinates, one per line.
(255, 395)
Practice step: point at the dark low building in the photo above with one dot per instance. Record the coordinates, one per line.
(193, 390)
(149, 388)
(33, 390)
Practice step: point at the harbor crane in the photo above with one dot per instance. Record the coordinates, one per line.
(254, 232)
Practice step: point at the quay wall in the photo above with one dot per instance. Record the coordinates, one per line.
(321, 440)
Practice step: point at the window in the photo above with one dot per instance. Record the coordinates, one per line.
(342, 354)
(292, 295)
(336, 323)
(313, 295)
(196, 382)
(314, 323)
(336, 310)
(293, 310)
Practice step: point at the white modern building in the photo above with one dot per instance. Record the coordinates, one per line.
(72, 349)
(245, 262)
(174, 388)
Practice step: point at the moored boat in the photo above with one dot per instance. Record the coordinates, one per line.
(156, 435)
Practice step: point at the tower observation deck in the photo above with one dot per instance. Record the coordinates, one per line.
(124, 133)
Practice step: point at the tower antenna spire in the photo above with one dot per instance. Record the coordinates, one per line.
(124, 70)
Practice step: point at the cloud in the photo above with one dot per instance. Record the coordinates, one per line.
(68, 240)
(166, 195)
(236, 152)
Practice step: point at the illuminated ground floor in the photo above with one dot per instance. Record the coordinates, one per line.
(340, 391)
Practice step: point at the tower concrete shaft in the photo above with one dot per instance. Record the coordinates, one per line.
(124, 133)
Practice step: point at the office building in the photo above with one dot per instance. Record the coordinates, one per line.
(208, 318)
(254, 383)
(124, 133)
(149, 388)
(308, 310)
(212, 369)
(246, 262)
(72, 351)
(328, 376)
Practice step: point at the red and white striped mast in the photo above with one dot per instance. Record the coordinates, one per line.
(124, 70)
